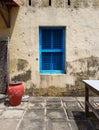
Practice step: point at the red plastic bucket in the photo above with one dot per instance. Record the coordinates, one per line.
(15, 93)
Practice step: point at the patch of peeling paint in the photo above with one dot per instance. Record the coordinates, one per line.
(22, 64)
(24, 77)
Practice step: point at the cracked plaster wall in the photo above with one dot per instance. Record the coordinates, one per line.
(81, 20)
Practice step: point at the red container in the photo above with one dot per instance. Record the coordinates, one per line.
(15, 93)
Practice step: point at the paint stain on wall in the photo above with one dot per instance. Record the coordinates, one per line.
(21, 64)
(22, 77)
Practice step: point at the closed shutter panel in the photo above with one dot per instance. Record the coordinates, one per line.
(46, 61)
(51, 61)
(57, 61)
(46, 44)
(46, 39)
(57, 39)
(57, 44)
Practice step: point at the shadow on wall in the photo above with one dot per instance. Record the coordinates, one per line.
(4, 30)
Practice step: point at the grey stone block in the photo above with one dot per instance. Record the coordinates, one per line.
(8, 124)
(57, 125)
(14, 114)
(29, 124)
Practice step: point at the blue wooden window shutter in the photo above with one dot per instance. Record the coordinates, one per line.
(52, 42)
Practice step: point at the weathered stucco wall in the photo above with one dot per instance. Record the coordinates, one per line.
(81, 20)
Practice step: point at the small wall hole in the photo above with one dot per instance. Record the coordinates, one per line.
(68, 2)
(29, 2)
(50, 2)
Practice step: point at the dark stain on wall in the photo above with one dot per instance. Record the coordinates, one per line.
(91, 64)
(92, 67)
(22, 64)
(81, 69)
(50, 91)
(22, 77)
(54, 91)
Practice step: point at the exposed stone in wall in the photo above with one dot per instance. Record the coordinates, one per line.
(60, 3)
(40, 3)
(96, 3)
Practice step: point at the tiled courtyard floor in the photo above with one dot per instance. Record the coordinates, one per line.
(48, 113)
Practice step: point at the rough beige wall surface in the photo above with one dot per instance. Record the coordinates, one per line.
(81, 20)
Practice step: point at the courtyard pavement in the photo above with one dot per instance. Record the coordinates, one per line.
(48, 113)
